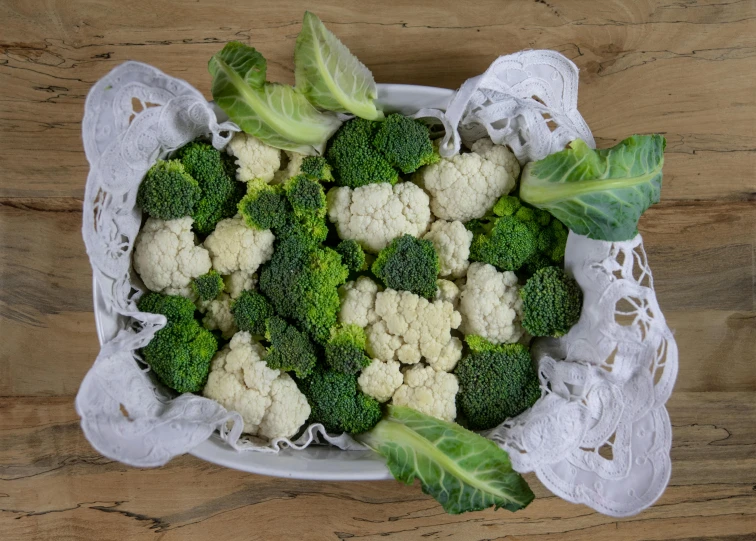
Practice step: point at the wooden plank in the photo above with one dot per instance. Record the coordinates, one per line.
(652, 66)
(53, 483)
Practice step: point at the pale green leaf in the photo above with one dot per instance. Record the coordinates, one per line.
(462, 470)
(330, 75)
(274, 113)
(598, 193)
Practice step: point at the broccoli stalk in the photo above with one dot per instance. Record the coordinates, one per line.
(337, 402)
(168, 191)
(180, 353)
(345, 349)
(408, 264)
(496, 382)
(290, 349)
(551, 302)
(208, 286)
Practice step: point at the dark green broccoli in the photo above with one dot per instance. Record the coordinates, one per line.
(517, 236)
(408, 264)
(214, 171)
(250, 311)
(352, 255)
(306, 197)
(345, 349)
(301, 281)
(290, 349)
(264, 206)
(551, 302)
(337, 402)
(505, 242)
(180, 353)
(405, 143)
(496, 382)
(208, 286)
(316, 168)
(168, 191)
(355, 160)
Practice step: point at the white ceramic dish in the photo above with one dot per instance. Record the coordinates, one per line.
(316, 462)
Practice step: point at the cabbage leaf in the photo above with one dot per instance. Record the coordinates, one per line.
(598, 193)
(330, 75)
(460, 469)
(274, 113)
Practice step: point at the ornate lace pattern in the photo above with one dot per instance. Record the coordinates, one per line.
(600, 434)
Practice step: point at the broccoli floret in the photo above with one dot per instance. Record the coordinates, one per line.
(264, 206)
(345, 350)
(180, 353)
(316, 168)
(250, 311)
(306, 197)
(290, 349)
(408, 264)
(355, 160)
(208, 286)
(214, 173)
(352, 255)
(405, 143)
(301, 282)
(505, 242)
(168, 191)
(517, 236)
(496, 382)
(337, 402)
(551, 302)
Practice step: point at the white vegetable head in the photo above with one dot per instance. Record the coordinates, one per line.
(254, 159)
(166, 257)
(490, 304)
(235, 247)
(428, 391)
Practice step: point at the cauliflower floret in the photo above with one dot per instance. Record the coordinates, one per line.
(452, 243)
(288, 410)
(268, 400)
(380, 379)
(239, 281)
(218, 316)
(166, 258)
(411, 328)
(430, 392)
(375, 214)
(254, 158)
(447, 291)
(293, 163)
(235, 247)
(466, 186)
(358, 302)
(490, 304)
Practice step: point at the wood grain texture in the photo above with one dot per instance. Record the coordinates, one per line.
(53, 485)
(686, 68)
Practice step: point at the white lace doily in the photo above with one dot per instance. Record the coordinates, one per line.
(600, 435)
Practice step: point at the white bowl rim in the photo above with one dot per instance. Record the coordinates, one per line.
(320, 463)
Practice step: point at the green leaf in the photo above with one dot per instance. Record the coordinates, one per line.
(276, 114)
(598, 193)
(460, 469)
(330, 75)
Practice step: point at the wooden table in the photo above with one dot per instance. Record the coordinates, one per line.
(685, 68)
